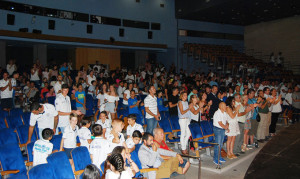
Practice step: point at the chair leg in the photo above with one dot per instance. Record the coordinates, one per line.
(197, 149)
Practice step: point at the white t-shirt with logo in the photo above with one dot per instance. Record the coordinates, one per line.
(6, 93)
(129, 142)
(99, 149)
(84, 134)
(130, 129)
(63, 104)
(69, 137)
(45, 119)
(41, 149)
(110, 138)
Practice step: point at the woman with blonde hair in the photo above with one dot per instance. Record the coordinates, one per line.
(112, 99)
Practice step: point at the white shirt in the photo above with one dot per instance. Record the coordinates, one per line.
(127, 92)
(99, 149)
(129, 142)
(45, 119)
(288, 97)
(124, 175)
(41, 149)
(241, 119)
(193, 116)
(129, 79)
(35, 76)
(90, 79)
(69, 136)
(111, 99)
(45, 74)
(151, 103)
(110, 138)
(6, 93)
(219, 117)
(131, 129)
(120, 91)
(57, 86)
(10, 68)
(281, 92)
(101, 97)
(84, 134)
(63, 104)
(276, 107)
(105, 125)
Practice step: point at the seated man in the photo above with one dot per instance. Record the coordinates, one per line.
(150, 157)
(160, 143)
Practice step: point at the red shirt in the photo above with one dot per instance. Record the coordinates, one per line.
(162, 145)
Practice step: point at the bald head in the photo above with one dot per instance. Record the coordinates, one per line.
(222, 106)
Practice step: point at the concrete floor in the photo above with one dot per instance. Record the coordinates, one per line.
(232, 169)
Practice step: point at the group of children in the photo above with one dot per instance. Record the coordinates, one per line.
(105, 135)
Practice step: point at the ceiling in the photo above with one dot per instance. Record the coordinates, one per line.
(236, 12)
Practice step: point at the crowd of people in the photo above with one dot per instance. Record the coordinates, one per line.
(245, 110)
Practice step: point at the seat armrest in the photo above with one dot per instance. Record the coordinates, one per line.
(78, 172)
(145, 170)
(7, 172)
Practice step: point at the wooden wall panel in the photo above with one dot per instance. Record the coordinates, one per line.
(85, 56)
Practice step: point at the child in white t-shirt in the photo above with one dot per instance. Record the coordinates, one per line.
(84, 133)
(115, 137)
(133, 125)
(42, 147)
(133, 140)
(68, 141)
(105, 123)
(92, 88)
(99, 147)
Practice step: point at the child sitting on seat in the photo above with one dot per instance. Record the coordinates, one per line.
(84, 133)
(42, 147)
(115, 137)
(105, 123)
(99, 147)
(68, 141)
(133, 140)
(133, 125)
(133, 103)
(160, 102)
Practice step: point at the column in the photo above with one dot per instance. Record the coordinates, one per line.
(3, 54)
(40, 52)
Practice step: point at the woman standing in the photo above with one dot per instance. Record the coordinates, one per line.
(101, 97)
(263, 111)
(112, 102)
(276, 110)
(195, 109)
(232, 113)
(184, 121)
(90, 78)
(205, 106)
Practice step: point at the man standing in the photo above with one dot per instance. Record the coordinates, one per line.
(254, 124)
(63, 108)
(57, 86)
(6, 92)
(215, 101)
(152, 113)
(295, 104)
(173, 101)
(45, 115)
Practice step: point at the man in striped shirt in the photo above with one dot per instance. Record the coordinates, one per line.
(152, 113)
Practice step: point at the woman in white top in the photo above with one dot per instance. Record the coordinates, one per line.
(184, 121)
(35, 75)
(11, 67)
(45, 73)
(126, 95)
(101, 97)
(276, 110)
(112, 102)
(195, 109)
(90, 78)
(232, 113)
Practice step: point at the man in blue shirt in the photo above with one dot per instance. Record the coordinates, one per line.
(254, 123)
(63, 68)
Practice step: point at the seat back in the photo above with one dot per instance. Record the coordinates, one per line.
(135, 158)
(56, 139)
(7, 136)
(26, 118)
(14, 121)
(29, 149)
(81, 157)
(165, 125)
(2, 123)
(207, 130)
(196, 132)
(51, 100)
(22, 132)
(174, 120)
(41, 171)
(61, 165)
(11, 157)
(16, 112)
(102, 168)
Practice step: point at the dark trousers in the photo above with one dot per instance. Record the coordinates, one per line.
(296, 114)
(274, 119)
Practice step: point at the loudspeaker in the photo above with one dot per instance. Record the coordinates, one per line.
(36, 31)
(121, 32)
(23, 30)
(51, 24)
(162, 5)
(89, 29)
(149, 34)
(111, 39)
(10, 19)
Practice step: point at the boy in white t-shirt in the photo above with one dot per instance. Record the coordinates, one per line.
(115, 137)
(84, 133)
(133, 140)
(68, 141)
(133, 125)
(105, 123)
(99, 147)
(42, 147)
(92, 88)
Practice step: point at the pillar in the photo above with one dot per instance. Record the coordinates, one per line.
(3, 54)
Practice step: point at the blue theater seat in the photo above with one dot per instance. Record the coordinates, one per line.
(81, 158)
(41, 171)
(22, 132)
(29, 149)
(61, 165)
(8, 136)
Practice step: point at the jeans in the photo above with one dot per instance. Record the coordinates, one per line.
(151, 124)
(219, 139)
(185, 132)
(296, 115)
